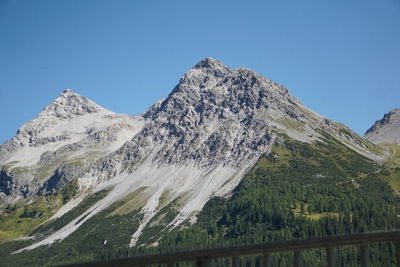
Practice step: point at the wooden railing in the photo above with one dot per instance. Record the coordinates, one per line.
(204, 257)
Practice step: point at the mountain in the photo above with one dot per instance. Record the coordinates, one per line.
(80, 176)
(71, 131)
(386, 133)
(386, 130)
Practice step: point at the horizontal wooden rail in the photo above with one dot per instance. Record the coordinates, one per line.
(298, 245)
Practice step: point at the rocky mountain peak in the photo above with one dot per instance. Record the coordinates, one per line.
(69, 105)
(215, 114)
(209, 63)
(386, 130)
(64, 121)
(204, 75)
(68, 91)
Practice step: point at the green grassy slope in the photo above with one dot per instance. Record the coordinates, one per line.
(301, 191)
(392, 170)
(19, 219)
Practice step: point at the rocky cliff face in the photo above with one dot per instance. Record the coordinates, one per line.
(195, 144)
(386, 130)
(217, 115)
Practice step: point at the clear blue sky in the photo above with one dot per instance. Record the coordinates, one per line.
(340, 58)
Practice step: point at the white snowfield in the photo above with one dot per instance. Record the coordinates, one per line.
(194, 185)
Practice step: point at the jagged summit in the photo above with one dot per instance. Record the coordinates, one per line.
(212, 78)
(386, 130)
(204, 74)
(68, 91)
(209, 63)
(70, 104)
(220, 115)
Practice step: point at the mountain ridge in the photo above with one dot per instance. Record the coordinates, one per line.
(386, 129)
(69, 128)
(196, 144)
(70, 104)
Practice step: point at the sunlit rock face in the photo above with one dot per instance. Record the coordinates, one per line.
(386, 130)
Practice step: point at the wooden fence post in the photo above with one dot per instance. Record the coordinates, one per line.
(364, 255)
(235, 261)
(397, 253)
(297, 258)
(331, 256)
(202, 262)
(266, 260)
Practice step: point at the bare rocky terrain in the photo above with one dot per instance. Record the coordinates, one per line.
(386, 130)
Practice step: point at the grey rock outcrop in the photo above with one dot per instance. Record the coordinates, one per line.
(386, 130)
(217, 115)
